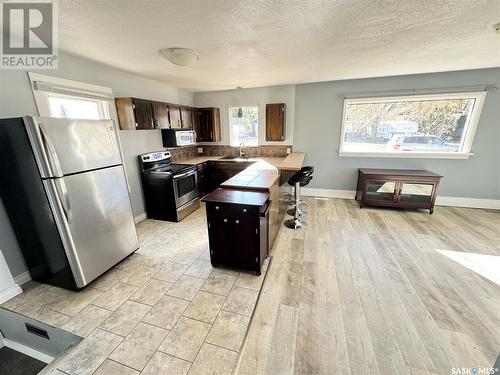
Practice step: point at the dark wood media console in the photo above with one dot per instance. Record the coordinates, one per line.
(403, 188)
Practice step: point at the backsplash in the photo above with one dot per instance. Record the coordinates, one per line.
(263, 150)
(180, 153)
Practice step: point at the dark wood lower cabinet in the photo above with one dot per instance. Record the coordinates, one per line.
(238, 228)
(216, 172)
(403, 188)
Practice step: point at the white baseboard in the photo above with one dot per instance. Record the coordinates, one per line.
(492, 204)
(22, 278)
(327, 193)
(30, 352)
(140, 218)
(9, 293)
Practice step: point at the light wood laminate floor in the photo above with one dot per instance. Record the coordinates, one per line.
(365, 291)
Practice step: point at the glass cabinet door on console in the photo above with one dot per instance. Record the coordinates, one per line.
(415, 192)
(403, 188)
(384, 191)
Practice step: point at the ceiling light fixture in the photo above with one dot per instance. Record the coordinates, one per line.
(180, 56)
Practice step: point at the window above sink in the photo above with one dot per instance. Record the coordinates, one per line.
(244, 126)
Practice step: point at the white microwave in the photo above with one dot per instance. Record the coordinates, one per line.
(176, 138)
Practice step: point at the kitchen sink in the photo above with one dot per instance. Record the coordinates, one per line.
(230, 157)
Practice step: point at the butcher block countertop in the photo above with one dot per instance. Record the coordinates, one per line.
(233, 196)
(260, 175)
(292, 162)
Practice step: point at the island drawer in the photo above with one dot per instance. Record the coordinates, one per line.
(221, 209)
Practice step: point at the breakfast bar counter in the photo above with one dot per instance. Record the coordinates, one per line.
(265, 175)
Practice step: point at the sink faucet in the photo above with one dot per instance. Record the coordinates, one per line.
(242, 154)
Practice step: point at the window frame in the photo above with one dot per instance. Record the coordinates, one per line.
(231, 128)
(105, 107)
(465, 153)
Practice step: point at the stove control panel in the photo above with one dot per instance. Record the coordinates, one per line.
(155, 156)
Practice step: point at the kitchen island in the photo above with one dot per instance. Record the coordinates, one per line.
(259, 175)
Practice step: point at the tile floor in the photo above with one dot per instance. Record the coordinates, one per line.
(163, 310)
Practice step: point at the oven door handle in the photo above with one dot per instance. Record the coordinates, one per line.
(184, 175)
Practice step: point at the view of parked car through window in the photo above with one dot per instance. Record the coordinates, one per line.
(418, 123)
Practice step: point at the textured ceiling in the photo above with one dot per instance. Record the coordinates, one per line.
(254, 43)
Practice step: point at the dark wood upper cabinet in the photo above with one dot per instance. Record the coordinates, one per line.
(208, 125)
(125, 111)
(134, 113)
(194, 118)
(175, 117)
(143, 112)
(160, 114)
(217, 134)
(186, 120)
(275, 122)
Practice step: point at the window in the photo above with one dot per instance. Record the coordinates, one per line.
(411, 126)
(58, 97)
(70, 107)
(244, 125)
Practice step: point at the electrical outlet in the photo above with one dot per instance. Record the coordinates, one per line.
(288, 151)
(200, 150)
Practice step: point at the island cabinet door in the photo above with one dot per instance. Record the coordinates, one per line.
(247, 240)
(234, 242)
(221, 238)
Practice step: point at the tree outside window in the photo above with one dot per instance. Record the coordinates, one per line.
(244, 126)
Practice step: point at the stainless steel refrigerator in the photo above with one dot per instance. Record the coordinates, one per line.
(64, 188)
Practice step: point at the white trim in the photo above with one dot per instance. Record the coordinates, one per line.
(471, 127)
(80, 90)
(30, 352)
(8, 287)
(140, 218)
(327, 193)
(492, 204)
(22, 278)
(407, 155)
(9, 293)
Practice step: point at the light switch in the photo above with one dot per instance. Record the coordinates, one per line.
(200, 150)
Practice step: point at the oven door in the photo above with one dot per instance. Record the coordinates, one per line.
(185, 137)
(185, 187)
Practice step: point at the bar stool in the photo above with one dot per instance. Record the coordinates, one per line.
(305, 172)
(298, 179)
(297, 209)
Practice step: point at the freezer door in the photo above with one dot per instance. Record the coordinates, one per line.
(67, 146)
(94, 219)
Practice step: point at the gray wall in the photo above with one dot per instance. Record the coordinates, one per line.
(250, 97)
(318, 111)
(16, 99)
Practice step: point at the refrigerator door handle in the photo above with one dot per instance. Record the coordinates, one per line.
(65, 202)
(56, 204)
(52, 157)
